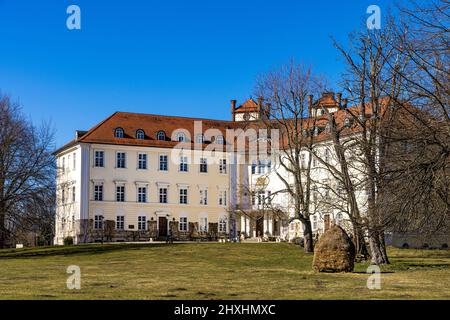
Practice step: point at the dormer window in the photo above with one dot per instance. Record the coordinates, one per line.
(181, 137)
(140, 134)
(347, 123)
(219, 140)
(161, 136)
(200, 138)
(316, 131)
(118, 133)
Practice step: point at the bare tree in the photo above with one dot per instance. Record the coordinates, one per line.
(288, 94)
(422, 143)
(27, 174)
(398, 77)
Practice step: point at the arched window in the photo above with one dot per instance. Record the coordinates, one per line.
(181, 137)
(219, 139)
(140, 134)
(347, 122)
(118, 133)
(200, 138)
(316, 131)
(161, 135)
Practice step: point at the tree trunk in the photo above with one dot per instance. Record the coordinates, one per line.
(2, 231)
(308, 237)
(377, 248)
(360, 243)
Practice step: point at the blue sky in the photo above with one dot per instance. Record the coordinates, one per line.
(186, 58)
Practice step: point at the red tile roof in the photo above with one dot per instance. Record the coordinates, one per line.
(248, 106)
(103, 133)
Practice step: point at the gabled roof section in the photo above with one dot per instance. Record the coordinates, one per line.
(248, 106)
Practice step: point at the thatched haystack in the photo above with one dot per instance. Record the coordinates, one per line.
(334, 252)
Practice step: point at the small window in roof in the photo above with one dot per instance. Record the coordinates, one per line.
(140, 134)
(347, 122)
(219, 139)
(118, 133)
(181, 137)
(161, 135)
(200, 138)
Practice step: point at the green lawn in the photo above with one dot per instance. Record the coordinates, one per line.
(212, 271)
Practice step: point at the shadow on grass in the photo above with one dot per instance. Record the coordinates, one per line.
(77, 249)
(362, 272)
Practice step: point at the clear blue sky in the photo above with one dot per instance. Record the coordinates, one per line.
(186, 58)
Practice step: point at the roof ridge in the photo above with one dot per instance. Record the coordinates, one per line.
(94, 128)
(168, 116)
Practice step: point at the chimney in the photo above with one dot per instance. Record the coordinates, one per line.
(310, 104)
(338, 100)
(261, 107)
(233, 109)
(344, 103)
(268, 111)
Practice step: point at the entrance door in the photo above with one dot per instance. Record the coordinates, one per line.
(276, 228)
(260, 227)
(162, 229)
(326, 221)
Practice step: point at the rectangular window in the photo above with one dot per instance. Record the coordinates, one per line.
(203, 226)
(223, 198)
(260, 197)
(163, 164)
(120, 222)
(204, 197)
(142, 161)
(183, 196)
(63, 165)
(253, 198)
(99, 159)
(183, 224)
(183, 164)
(269, 197)
(315, 193)
(98, 222)
(74, 165)
(203, 165)
(339, 188)
(222, 225)
(261, 166)
(142, 223)
(253, 166)
(223, 166)
(73, 194)
(121, 160)
(63, 196)
(327, 155)
(162, 195)
(142, 194)
(120, 193)
(98, 192)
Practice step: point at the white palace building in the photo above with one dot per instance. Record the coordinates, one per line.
(142, 177)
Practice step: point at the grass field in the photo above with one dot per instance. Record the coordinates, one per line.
(212, 271)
